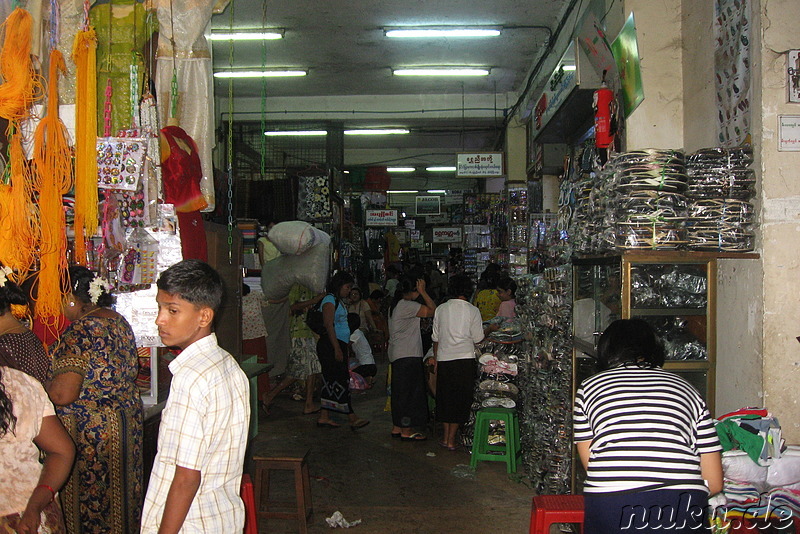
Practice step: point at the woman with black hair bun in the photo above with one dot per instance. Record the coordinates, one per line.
(95, 365)
(25, 352)
(645, 437)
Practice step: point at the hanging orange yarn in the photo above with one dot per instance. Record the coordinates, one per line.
(21, 84)
(18, 221)
(84, 54)
(51, 157)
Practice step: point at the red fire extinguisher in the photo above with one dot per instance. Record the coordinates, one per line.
(603, 99)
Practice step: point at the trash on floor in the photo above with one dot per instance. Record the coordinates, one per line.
(463, 471)
(337, 520)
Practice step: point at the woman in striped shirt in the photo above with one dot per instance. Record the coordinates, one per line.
(645, 438)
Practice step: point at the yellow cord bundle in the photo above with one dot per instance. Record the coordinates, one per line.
(51, 157)
(84, 54)
(18, 219)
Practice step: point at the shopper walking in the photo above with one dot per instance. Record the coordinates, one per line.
(645, 438)
(303, 361)
(456, 328)
(332, 353)
(409, 400)
(94, 372)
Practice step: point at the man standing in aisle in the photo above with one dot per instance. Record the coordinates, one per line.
(194, 485)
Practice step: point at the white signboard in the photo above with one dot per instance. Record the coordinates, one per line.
(381, 218)
(789, 133)
(448, 235)
(477, 165)
(437, 219)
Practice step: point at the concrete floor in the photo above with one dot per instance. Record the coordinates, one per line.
(391, 486)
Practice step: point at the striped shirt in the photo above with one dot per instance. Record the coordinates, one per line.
(648, 428)
(204, 427)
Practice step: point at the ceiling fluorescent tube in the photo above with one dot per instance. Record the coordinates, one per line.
(442, 71)
(259, 73)
(440, 32)
(248, 35)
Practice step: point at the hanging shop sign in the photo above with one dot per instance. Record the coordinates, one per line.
(453, 234)
(789, 133)
(626, 52)
(428, 205)
(437, 219)
(381, 218)
(416, 239)
(402, 236)
(479, 165)
(411, 224)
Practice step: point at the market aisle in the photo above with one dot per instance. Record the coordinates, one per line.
(392, 486)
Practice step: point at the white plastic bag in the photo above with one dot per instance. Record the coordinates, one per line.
(738, 466)
(294, 237)
(784, 472)
(310, 269)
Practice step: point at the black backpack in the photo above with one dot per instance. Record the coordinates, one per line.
(314, 320)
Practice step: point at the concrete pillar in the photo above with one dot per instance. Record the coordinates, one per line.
(516, 153)
(658, 121)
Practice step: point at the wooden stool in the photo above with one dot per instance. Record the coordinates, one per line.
(302, 488)
(549, 509)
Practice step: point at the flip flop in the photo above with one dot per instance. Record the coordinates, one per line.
(361, 423)
(446, 446)
(416, 436)
(395, 435)
(327, 424)
(312, 413)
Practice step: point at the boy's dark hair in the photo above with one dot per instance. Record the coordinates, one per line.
(507, 283)
(377, 294)
(194, 281)
(460, 285)
(353, 321)
(79, 280)
(629, 341)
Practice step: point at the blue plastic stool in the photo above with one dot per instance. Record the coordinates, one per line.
(482, 451)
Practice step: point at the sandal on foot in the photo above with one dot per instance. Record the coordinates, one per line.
(416, 436)
(312, 412)
(327, 424)
(361, 423)
(395, 434)
(448, 447)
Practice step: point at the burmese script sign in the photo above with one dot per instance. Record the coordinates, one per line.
(381, 218)
(448, 235)
(479, 165)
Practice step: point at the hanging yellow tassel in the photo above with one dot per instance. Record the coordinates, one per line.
(51, 157)
(84, 54)
(21, 85)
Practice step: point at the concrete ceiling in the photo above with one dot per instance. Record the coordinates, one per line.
(350, 82)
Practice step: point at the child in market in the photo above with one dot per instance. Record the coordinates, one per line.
(507, 291)
(364, 362)
(194, 485)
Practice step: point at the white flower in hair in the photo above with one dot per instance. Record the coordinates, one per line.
(96, 288)
(4, 274)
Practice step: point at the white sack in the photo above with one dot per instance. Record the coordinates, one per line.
(784, 472)
(294, 237)
(309, 269)
(738, 466)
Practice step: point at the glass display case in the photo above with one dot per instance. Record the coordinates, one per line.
(674, 291)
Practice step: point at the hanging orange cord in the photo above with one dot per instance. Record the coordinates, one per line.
(21, 86)
(84, 54)
(52, 160)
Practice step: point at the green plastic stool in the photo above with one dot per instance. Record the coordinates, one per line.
(482, 451)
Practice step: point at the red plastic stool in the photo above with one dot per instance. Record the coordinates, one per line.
(549, 509)
(248, 496)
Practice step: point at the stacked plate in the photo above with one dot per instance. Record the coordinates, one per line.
(720, 186)
(650, 208)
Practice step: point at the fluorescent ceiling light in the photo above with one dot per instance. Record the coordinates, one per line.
(377, 131)
(440, 169)
(259, 73)
(400, 169)
(404, 191)
(442, 71)
(303, 133)
(441, 32)
(247, 35)
(437, 191)
(568, 67)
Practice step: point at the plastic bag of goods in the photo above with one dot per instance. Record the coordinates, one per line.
(310, 269)
(294, 237)
(738, 466)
